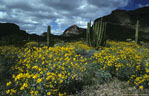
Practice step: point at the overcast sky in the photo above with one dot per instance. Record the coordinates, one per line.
(35, 15)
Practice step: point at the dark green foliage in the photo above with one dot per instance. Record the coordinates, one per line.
(92, 51)
(2, 66)
(80, 51)
(59, 44)
(94, 75)
(72, 87)
(14, 39)
(5, 73)
(124, 73)
(103, 76)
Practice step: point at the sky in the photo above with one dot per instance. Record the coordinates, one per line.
(34, 16)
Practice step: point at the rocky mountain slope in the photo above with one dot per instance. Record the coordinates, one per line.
(121, 24)
(74, 30)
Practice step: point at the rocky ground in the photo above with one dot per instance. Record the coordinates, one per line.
(113, 88)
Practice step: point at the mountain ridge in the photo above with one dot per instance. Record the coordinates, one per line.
(120, 26)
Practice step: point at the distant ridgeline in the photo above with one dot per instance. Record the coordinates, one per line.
(7, 29)
(121, 25)
(11, 33)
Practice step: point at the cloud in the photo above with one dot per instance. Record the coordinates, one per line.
(3, 15)
(141, 5)
(108, 3)
(35, 15)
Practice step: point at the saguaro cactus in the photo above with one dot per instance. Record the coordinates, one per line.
(137, 31)
(48, 35)
(95, 35)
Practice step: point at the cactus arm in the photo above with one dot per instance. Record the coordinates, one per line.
(88, 35)
(48, 35)
(100, 33)
(137, 31)
(104, 37)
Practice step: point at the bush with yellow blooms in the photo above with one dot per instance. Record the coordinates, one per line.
(48, 71)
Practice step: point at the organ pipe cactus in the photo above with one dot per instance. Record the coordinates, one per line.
(48, 35)
(88, 33)
(137, 31)
(95, 35)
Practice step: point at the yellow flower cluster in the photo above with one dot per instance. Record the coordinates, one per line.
(9, 51)
(11, 91)
(31, 44)
(79, 45)
(45, 70)
(123, 56)
(123, 44)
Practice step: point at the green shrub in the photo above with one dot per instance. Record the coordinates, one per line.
(59, 44)
(3, 68)
(103, 76)
(124, 60)
(31, 44)
(94, 75)
(46, 70)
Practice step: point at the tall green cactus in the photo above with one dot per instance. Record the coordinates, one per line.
(88, 33)
(95, 35)
(137, 31)
(48, 35)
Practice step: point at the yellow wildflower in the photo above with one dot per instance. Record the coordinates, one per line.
(8, 83)
(141, 87)
(49, 93)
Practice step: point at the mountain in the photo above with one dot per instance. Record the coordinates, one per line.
(10, 29)
(74, 30)
(10, 33)
(121, 24)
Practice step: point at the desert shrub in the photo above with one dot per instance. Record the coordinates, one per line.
(9, 52)
(81, 51)
(93, 75)
(88, 77)
(103, 76)
(123, 44)
(92, 51)
(2, 42)
(5, 72)
(59, 44)
(31, 44)
(80, 48)
(141, 80)
(65, 69)
(123, 60)
(45, 71)
(8, 55)
(3, 67)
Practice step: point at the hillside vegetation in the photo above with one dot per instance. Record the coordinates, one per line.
(74, 69)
